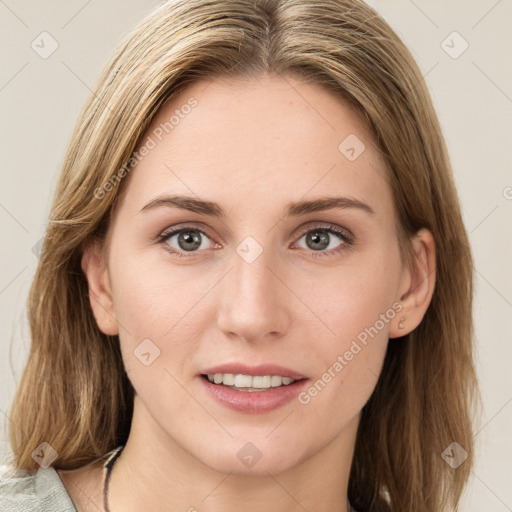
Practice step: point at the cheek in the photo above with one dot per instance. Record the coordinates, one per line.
(151, 295)
(355, 309)
(151, 307)
(155, 337)
(353, 297)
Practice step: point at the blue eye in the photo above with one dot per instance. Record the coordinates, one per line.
(190, 239)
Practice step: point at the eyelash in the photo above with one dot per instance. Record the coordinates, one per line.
(342, 234)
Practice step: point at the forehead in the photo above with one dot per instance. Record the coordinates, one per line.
(254, 140)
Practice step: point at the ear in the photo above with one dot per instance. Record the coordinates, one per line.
(416, 285)
(100, 294)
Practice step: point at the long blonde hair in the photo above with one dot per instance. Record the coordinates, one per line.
(74, 392)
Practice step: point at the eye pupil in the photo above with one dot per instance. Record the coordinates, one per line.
(320, 238)
(185, 238)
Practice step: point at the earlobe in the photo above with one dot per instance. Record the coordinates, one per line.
(100, 294)
(418, 285)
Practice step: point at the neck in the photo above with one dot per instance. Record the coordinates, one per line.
(153, 472)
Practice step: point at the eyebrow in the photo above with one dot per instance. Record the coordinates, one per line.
(293, 209)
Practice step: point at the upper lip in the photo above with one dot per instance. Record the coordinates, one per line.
(261, 369)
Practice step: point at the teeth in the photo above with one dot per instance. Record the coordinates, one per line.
(249, 381)
(228, 379)
(242, 381)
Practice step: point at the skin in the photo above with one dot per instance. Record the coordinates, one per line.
(252, 146)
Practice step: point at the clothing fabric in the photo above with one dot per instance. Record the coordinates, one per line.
(40, 490)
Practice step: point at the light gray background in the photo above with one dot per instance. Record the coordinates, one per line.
(41, 98)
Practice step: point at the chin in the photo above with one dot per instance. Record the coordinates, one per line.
(239, 456)
(262, 467)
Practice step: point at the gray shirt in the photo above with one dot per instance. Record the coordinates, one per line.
(39, 490)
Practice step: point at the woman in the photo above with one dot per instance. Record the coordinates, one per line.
(256, 286)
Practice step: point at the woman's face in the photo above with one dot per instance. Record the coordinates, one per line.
(260, 282)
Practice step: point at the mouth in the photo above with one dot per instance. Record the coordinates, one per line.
(248, 383)
(252, 389)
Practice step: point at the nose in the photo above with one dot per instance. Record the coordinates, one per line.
(255, 302)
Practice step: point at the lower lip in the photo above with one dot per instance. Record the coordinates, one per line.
(253, 402)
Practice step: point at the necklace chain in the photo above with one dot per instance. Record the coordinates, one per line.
(108, 470)
(112, 457)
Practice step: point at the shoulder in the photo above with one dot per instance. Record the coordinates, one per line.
(39, 490)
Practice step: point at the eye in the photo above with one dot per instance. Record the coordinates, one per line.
(184, 240)
(320, 237)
